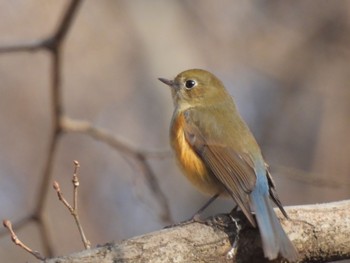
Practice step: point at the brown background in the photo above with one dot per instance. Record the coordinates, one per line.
(287, 63)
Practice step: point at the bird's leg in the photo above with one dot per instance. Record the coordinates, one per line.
(196, 216)
(234, 209)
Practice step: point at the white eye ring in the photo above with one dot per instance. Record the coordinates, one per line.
(189, 84)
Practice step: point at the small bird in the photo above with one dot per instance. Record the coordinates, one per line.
(220, 156)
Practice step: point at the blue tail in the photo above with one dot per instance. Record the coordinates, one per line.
(274, 240)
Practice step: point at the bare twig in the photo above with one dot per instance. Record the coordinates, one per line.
(57, 188)
(75, 182)
(27, 47)
(84, 127)
(79, 126)
(51, 43)
(18, 224)
(73, 209)
(7, 224)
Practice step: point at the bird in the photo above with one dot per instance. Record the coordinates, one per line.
(219, 155)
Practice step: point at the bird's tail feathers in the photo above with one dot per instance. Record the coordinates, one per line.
(274, 240)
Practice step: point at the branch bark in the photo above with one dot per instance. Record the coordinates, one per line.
(320, 233)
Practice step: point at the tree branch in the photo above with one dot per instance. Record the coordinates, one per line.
(320, 233)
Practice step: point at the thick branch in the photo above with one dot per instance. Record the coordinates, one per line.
(320, 233)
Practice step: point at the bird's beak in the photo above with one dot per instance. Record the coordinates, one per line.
(170, 83)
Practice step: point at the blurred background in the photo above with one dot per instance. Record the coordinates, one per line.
(287, 63)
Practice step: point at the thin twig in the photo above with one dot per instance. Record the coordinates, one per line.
(57, 188)
(26, 47)
(79, 126)
(75, 182)
(84, 127)
(18, 225)
(51, 43)
(73, 209)
(7, 224)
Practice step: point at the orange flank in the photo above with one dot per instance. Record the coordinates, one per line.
(192, 166)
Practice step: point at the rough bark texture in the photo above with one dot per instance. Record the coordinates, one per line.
(320, 233)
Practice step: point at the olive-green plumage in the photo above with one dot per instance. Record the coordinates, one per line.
(219, 155)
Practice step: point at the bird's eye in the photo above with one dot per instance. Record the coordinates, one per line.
(189, 84)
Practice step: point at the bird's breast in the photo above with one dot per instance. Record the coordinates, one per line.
(190, 163)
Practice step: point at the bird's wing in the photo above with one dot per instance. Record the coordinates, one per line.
(235, 170)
